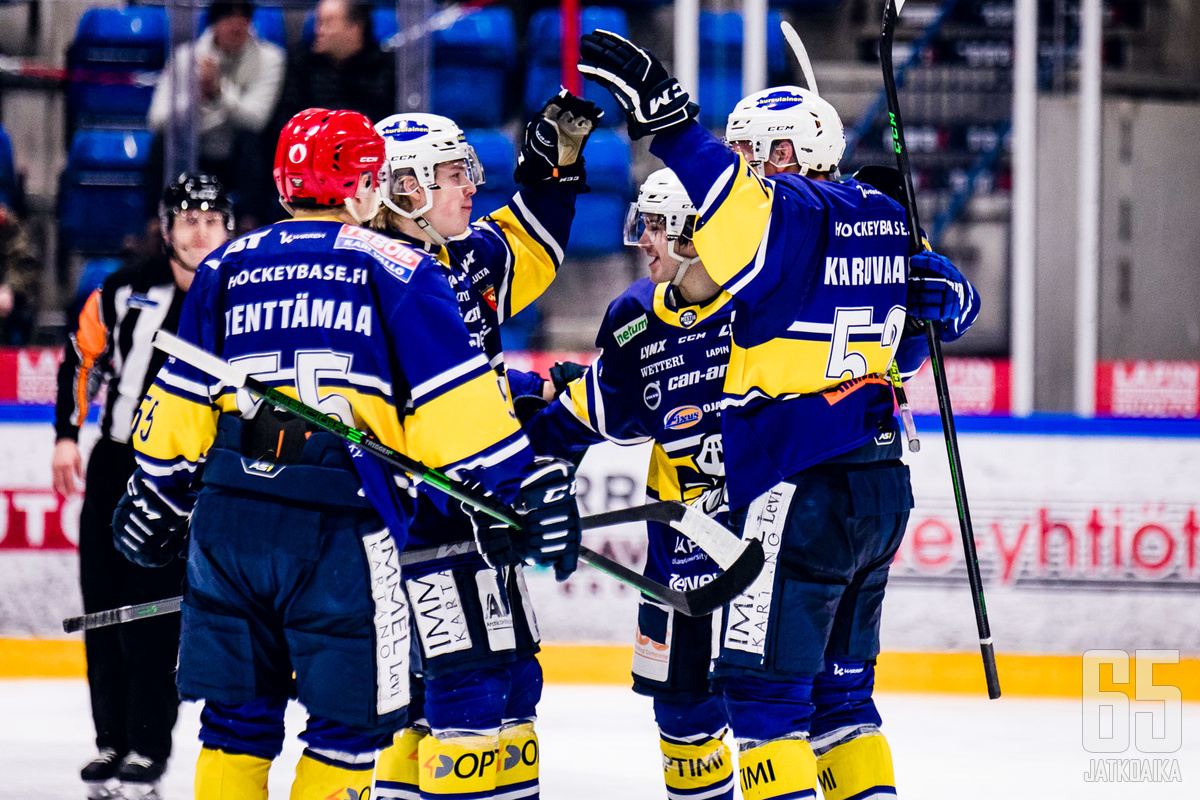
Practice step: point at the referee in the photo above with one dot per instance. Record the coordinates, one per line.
(130, 668)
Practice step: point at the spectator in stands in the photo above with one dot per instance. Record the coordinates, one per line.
(238, 78)
(343, 70)
(20, 281)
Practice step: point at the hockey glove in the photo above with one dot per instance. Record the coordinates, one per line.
(493, 539)
(563, 372)
(937, 291)
(652, 100)
(546, 502)
(554, 142)
(148, 528)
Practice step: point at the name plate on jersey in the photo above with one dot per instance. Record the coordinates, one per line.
(750, 612)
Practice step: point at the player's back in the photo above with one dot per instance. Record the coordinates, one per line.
(301, 305)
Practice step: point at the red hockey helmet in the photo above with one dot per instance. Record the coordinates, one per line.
(323, 154)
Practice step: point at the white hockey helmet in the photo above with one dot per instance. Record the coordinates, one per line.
(662, 201)
(789, 113)
(415, 145)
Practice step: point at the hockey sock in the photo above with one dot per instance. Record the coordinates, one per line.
(458, 764)
(701, 770)
(322, 777)
(518, 762)
(397, 770)
(855, 762)
(230, 776)
(779, 769)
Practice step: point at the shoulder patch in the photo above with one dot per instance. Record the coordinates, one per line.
(397, 258)
(626, 332)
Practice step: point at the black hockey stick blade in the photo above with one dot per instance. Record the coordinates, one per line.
(114, 616)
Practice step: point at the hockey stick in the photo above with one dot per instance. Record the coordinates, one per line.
(891, 13)
(740, 560)
(718, 542)
(793, 40)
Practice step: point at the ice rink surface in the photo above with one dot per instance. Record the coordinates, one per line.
(600, 742)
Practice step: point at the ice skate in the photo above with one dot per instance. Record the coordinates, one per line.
(100, 775)
(139, 777)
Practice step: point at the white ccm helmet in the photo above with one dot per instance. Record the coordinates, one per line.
(415, 145)
(798, 115)
(663, 199)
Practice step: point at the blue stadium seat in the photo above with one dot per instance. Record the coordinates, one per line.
(544, 75)
(113, 60)
(472, 62)
(95, 270)
(9, 190)
(268, 24)
(497, 153)
(600, 214)
(721, 37)
(102, 192)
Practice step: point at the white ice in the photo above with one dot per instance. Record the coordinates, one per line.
(600, 742)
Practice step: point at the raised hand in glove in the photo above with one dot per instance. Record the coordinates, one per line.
(937, 291)
(148, 528)
(546, 502)
(554, 142)
(562, 373)
(652, 100)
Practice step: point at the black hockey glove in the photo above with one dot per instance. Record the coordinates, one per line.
(563, 372)
(652, 100)
(527, 406)
(554, 142)
(148, 528)
(937, 291)
(493, 539)
(546, 503)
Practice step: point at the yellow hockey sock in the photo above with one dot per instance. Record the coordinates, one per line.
(230, 776)
(703, 770)
(457, 765)
(397, 770)
(858, 768)
(518, 762)
(781, 769)
(321, 780)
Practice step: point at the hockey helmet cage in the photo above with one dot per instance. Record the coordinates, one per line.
(322, 156)
(789, 113)
(663, 195)
(194, 191)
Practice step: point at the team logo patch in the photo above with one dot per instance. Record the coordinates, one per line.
(682, 417)
(688, 318)
(652, 395)
(398, 259)
(297, 153)
(404, 130)
(779, 100)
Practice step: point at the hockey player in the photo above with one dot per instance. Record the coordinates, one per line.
(482, 688)
(818, 272)
(293, 583)
(664, 350)
(131, 668)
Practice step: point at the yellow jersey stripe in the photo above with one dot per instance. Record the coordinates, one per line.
(733, 233)
(533, 263)
(467, 420)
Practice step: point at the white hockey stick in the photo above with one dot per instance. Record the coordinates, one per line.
(793, 39)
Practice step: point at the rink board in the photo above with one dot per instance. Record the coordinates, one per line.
(1087, 533)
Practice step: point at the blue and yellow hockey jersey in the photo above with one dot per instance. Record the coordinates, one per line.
(501, 265)
(350, 322)
(658, 378)
(817, 270)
